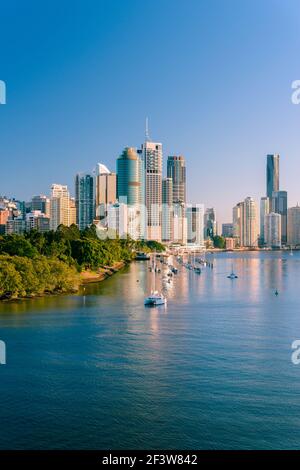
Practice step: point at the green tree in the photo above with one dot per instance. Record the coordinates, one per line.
(219, 242)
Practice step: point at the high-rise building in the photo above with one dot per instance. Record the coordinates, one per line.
(264, 210)
(130, 187)
(294, 226)
(59, 206)
(167, 210)
(279, 205)
(210, 223)
(41, 203)
(72, 211)
(105, 190)
(128, 181)
(272, 176)
(245, 226)
(195, 224)
(272, 230)
(236, 222)
(152, 160)
(85, 201)
(177, 171)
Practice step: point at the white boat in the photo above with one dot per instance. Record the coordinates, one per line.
(155, 299)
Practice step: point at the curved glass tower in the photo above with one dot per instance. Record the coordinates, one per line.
(128, 180)
(272, 174)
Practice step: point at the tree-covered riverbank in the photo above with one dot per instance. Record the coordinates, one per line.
(37, 263)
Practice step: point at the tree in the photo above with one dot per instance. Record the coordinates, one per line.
(219, 242)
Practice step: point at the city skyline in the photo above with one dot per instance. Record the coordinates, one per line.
(223, 104)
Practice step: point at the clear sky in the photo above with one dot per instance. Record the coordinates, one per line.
(214, 77)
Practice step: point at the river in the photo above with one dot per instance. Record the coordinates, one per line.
(211, 370)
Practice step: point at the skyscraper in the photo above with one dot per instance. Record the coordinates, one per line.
(279, 205)
(236, 222)
(195, 220)
(272, 175)
(177, 171)
(167, 210)
(128, 177)
(264, 210)
(294, 226)
(210, 223)
(249, 223)
(105, 189)
(152, 160)
(59, 206)
(41, 203)
(272, 230)
(84, 198)
(245, 224)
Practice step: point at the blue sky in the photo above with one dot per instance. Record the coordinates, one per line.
(214, 77)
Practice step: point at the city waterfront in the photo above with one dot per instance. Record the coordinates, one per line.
(211, 370)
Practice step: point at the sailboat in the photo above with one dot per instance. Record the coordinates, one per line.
(232, 275)
(291, 252)
(155, 298)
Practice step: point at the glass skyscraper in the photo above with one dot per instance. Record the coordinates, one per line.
(84, 200)
(128, 177)
(177, 171)
(279, 205)
(272, 175)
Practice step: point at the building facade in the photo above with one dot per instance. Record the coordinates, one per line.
(272, 176)
(167, 210)
(272, 230)
(195, 224)
(176, 170)
(280, 206)
(59, 206)
(294, 226)
(84, 200)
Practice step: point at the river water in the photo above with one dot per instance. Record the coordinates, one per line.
(211, 370)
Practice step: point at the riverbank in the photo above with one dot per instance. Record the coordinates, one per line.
(101, 274)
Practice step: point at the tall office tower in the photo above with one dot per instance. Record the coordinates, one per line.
(272, 176)
(41, 203)
(59, 206)
(294, 226)
(177, 171)
(210, 223)
(249, 225)
(105, 189)
(151, 156)
(167, 210)
(264, 210)
(84, 199)
(272, 230)
(72, 211)
(128, 180)
(279, 205)
(195, 224)
(236, 222)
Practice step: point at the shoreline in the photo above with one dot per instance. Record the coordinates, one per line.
(86, 277)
